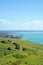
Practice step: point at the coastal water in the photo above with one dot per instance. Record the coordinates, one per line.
(34, 36)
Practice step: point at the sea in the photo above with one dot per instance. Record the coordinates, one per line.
(30, 35)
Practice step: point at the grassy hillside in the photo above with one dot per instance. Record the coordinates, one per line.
(20, 52)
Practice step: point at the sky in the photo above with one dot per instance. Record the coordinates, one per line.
(21, 14)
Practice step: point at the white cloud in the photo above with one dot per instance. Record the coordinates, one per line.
(10, 22)
(5, 21)
(30, 25)
(33, 25)
(2, 21)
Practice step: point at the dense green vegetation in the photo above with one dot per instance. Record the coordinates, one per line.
(20, 52)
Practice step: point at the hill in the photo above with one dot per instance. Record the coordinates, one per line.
(20, 52)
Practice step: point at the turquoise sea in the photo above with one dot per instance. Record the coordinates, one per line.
(34, 36)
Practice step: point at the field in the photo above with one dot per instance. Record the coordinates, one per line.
(16, 51)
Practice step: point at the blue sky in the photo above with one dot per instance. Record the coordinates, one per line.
(21, 14)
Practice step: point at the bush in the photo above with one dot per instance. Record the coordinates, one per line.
(34, 52)
(2, 41)
(9, 40)
(9, 48)
(23, 49)
(5, 54)
(14, 63)
(15, 44)
(11, 36)
(25, 62)
(19, 55)
(17, 62)
(17, 47)
(7, 62)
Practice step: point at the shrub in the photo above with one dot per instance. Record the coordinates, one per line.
(19, 55)
(17, 47)
(34, 52)
(14, 63)
(2, 41)
(23, 49)
(9, 40)
(25, 62)
(9, 48)
(13, 55)
(7, 62)
(5, 54)
(15, 44)
(11, 36)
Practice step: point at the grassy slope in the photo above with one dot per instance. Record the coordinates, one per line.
(28, 53)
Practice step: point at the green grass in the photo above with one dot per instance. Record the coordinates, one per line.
(23, 53)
